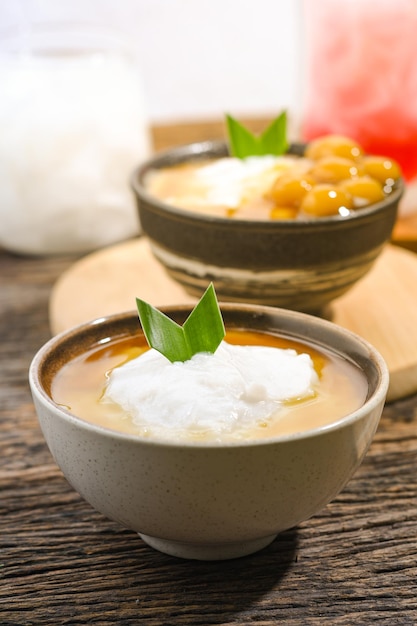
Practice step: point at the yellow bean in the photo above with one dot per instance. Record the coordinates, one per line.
(333, 145)
(289, 190)
(283, 213)
(334, 169)
(364, 190)
(381, 168)
(325, 200)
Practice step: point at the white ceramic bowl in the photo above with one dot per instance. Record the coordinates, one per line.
(209, 500)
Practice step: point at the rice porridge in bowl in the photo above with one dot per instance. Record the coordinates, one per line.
(212, 457)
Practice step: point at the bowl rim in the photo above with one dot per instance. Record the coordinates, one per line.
(370, 404)
(196, 150)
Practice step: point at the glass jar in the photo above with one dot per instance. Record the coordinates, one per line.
(361, 78)
(72, 128)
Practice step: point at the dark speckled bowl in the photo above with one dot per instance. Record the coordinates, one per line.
(292, 264)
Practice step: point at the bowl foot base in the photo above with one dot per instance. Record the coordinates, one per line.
(207, 552)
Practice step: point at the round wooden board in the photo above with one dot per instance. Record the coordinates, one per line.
(381, 307)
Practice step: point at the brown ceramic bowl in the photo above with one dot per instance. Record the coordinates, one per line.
(287, 263)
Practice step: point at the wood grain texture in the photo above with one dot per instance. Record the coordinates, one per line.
(381, 307)
(61, 563)
(405, 232)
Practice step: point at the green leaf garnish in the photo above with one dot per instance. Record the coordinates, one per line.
(202, 331)
(243, 143)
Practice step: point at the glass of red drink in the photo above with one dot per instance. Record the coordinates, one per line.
(361, 76)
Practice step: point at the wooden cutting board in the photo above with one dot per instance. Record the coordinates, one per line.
(382, 307)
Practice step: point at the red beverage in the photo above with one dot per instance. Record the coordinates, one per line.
(361, 75)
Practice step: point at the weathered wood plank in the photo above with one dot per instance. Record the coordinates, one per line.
(63, 563)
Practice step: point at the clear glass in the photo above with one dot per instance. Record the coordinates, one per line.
(72, 128)
(361, 75)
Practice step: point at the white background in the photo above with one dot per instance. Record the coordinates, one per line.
(197, 58)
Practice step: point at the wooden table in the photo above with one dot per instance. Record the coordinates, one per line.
(353, 564)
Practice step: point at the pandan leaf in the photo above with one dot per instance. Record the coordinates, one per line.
(202, 331)
(243, 143)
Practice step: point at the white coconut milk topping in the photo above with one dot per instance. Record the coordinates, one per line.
(222, 186)
(232, 391)
(229, 180)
